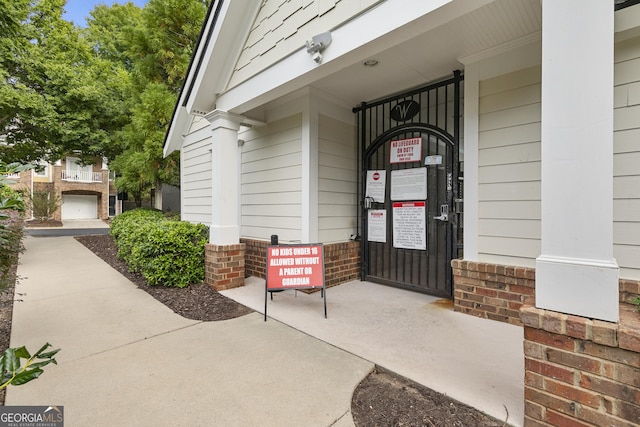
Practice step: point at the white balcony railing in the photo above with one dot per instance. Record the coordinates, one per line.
(11, 175)
(81, 176)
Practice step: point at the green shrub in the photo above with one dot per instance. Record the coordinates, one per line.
(171, 253)
(44, 204)
(128, 220)
(11, 226)
(11, 233)
(11, 199)
(164, 250)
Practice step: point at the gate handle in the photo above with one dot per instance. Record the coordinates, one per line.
(444, 213)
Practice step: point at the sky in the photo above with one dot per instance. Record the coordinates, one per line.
(78, 10)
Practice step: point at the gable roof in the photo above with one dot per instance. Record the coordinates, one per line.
(223, 34)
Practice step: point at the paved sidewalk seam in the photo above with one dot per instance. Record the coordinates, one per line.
(121, 346)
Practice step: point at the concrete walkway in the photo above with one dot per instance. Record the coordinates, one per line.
(127, 360)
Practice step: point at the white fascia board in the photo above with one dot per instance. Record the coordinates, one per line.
(177, 129)
(179, 121)
(204, 81)
(382, 27)
(218, 61)
(627, 23)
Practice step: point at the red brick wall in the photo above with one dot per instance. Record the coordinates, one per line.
(341, 263)
(255, 257)
(579, 371)
(629, 290)
(341, 260)
(491, 291)
(224, 266)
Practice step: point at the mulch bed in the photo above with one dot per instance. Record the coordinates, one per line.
(196, 302)
(381, 399)
(384, 399)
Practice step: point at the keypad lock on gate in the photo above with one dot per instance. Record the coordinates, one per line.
(444, 213)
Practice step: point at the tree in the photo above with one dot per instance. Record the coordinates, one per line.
(111, 29)
(57, 94)
(108, 90)
(159, 52)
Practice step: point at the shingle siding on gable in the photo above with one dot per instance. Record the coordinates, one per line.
(282, 27)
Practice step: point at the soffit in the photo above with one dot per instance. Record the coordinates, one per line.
(428, 56)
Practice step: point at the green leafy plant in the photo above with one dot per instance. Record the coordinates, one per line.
(171, 253)
(44, 204)
(164, 250)
(11, 230)
(129, 220)
(14, 373)
(636, 301)
(127, 230)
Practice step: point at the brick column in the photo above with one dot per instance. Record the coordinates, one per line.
(224, 266)
(579, 371)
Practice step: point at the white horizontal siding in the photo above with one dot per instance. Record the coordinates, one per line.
(512, 228)
(515, 247)
(337, 183)
(291, 198)
(196, 192)
(626, 159)
(509, 168)
(271, 180)
(509, 210)
(508, 136)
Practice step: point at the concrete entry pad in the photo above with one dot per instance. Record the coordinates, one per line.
(477, 361)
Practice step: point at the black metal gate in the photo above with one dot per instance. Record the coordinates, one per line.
(411, 187)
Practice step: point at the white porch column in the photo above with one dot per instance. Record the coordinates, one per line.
(576, 272)
(225, 227)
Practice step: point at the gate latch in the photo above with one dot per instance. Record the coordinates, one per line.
(368, 202)
(444, 213)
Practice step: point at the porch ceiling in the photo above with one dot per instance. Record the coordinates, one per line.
(431, 55)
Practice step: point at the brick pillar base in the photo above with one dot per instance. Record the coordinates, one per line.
(579, 371)
(224, 266)
(491, 291)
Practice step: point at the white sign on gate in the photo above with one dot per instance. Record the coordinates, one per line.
(377, 225)
(409, 225)
(376, 185)
(409, 184)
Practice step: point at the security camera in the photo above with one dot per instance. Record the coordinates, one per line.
(317, 44)
(323, 39)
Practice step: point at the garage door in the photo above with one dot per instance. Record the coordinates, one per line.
(76, 206)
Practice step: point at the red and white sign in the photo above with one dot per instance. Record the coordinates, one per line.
(377, 225)
(406, 150)
(295, 267)
(409, 225)
(376, 185)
